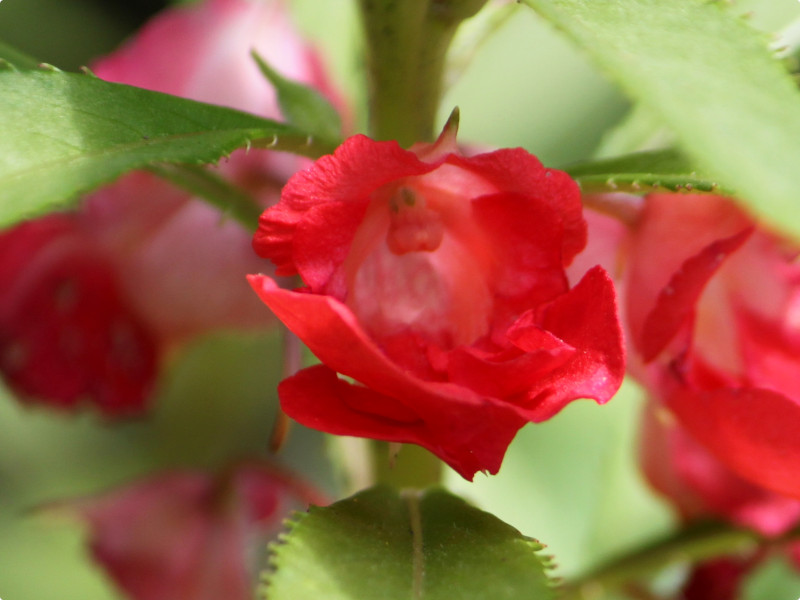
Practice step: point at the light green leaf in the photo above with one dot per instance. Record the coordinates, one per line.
(405, 546)
(641, 171)
(775, 578)
(64, 134)
(711, 78)
(303, 106)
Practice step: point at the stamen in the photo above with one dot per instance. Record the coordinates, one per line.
(413, 226)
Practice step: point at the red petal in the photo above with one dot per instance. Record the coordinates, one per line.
(676, 302)
(719, 579)
(461, 423)
(346, 179)
(66, 333)
(471, 439)
(509, 373)
(523, 236)
(187, 536)
(700, 485)
(516, 171)
(584, 318)
(753, 431)
(672, 230)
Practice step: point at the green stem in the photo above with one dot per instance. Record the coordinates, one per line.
(697, 544)
(407, 44)
(412, 467)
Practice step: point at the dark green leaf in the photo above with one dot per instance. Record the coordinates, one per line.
(303, 106)
(642, 171)
(711, 79)
(16, 57)
(409, 546)
(64, 134)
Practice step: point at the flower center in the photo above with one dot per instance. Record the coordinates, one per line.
(413, 227)
(419, 267)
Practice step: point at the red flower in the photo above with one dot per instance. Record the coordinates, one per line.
(152, 266)
(188, 536)
(436, 282)
(66, 332)
(713, 305)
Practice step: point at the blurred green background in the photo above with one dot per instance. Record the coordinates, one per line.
(572, 482)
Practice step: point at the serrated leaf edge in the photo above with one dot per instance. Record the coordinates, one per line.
(274, 547)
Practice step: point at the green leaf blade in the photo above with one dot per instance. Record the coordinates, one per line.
(711, 79)
(65, 134)
(302, 105)
(477, 555)
(413, 545)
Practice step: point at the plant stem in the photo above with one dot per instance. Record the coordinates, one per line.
(406, 466)
(292, 363)
(407, 44)
(702, 542)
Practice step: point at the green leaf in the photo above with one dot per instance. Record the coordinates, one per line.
(641, 171)
(411, 545)
(16, 57)
(775, 578)
(710, 77)
(303, 106)
(65, 133)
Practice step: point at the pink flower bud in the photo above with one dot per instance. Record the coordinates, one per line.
(188, 536)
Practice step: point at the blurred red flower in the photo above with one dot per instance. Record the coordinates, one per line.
(185, 535)
(713, 307)
(66, 331)
(172, 267)
(436, 281)
(710, 306)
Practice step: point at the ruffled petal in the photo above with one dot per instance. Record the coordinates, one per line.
(459, 423)
(583, 319)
